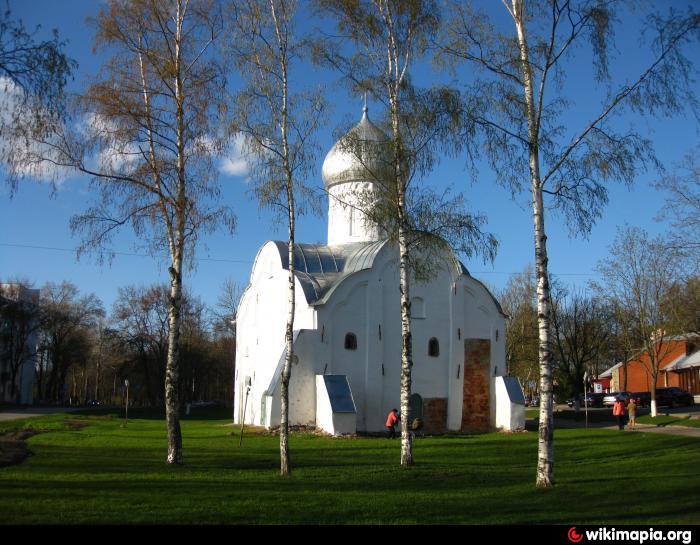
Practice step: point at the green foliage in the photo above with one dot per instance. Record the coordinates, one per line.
(576, 164)
(519, 304)
(388, 39)
(106, 473)
(274, 116)
(33, 76)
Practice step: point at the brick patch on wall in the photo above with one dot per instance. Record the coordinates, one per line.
(476, 414)
(435, 415)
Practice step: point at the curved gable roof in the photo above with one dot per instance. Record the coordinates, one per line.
(321, 268)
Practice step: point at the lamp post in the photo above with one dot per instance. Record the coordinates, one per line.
(126, 412)
(585, 396)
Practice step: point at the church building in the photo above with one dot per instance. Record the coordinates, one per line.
(347, 332)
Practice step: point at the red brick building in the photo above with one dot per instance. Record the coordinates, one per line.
(679, 366)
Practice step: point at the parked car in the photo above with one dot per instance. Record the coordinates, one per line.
(609, 399)
(672, 397)
(594, 399)
(532, 401)
(642, 399)
(591, 400)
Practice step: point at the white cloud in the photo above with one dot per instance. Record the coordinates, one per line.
(235, 161)
(118, 155)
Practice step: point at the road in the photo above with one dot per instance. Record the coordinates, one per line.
(17, 414)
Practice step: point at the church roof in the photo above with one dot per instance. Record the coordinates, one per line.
(321, 268)
(359, 155)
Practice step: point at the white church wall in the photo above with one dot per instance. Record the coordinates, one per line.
(430, 373)
(510, 404)
(431, 319)
(476, 317)
(324, 412)
(374, 415)
(335, 423)
(357, 307)
(302, 390)
(498, 356)
(456, 369)
(391, 342)
(346, 221)
(367, 305)
(349, 315)
(261, 323)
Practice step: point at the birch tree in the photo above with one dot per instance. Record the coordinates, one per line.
(637, 277)
(682, 207)
(517, 103)
(390, 38)
(148, 133)
(518, 302)
(582, 335)
(278, 122)
(34, 72)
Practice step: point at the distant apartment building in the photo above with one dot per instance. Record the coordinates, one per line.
(18, 342)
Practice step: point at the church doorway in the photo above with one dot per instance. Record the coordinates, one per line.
(415, 407)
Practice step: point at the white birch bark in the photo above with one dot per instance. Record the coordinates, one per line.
(285, 463)
(406, 349)
(545, 458)
(177, 243)
(396, 74)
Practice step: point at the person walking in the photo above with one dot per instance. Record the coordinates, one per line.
(632, 413)
(391, 420)
(619, 412)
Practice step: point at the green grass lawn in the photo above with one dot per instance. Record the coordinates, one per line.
(107, 473)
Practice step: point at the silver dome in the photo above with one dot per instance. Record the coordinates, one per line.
(360, 155)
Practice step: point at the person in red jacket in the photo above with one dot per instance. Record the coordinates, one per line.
(391, 420)
(619, 412)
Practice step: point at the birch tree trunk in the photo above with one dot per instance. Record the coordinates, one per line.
(278, 124)
(177, 244)
(545, 458)
(172, 371)
(285, 463)
(404, 287)
(395, 75)
(406, 348)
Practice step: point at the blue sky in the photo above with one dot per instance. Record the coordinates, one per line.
(35, 240)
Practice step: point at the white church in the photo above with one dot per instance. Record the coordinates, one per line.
(347, 335)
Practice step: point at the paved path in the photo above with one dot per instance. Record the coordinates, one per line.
(685, 431)
(17, 414)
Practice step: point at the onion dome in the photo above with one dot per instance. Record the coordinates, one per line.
(360, 155)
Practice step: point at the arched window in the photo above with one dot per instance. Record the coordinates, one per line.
(433, 347)
(350, 341)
